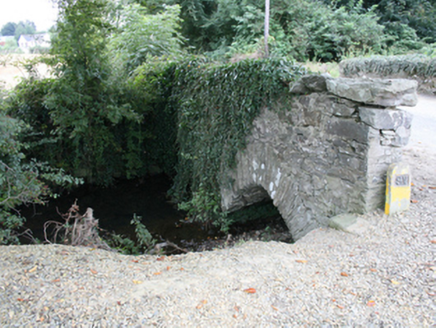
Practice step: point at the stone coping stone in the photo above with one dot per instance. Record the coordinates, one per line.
(385, 119)
(310, 83)
(369, 91)
(349, 222)
(380, 92)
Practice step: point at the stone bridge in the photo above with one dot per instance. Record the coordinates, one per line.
(325, 155)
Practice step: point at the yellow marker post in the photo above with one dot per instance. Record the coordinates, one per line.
(398, 188)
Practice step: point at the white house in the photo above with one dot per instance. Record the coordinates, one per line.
(29, 41)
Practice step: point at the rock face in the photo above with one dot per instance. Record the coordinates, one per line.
(326, 154)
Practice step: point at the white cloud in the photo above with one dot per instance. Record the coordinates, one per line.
(42, 12)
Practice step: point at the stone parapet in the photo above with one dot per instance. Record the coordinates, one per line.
(326, 154)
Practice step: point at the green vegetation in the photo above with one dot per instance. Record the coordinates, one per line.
(306, 30)
(402, 17)
(10, 47)
(142, 36)
(83, 230)
(322, 30)
(128, 93)
(144, 240)
(215, 109)
(15, 30)
(408, 65)
(79, 107)
(22, 181)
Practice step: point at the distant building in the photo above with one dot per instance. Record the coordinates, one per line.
(28, 41)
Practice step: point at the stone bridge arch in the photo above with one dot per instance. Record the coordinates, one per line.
(325, 155)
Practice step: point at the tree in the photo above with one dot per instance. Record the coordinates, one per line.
(418, 15)
(207, 25)
(400, 16)
(8, 29)
(142, 35)
(84, 100)
(303, 29)
(308, 30)
(26, 27)
(22, 181)
(14, 29)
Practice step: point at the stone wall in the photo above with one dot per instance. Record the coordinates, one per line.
(325, 155)
(426, 85)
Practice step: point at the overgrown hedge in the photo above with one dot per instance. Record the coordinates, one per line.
(407, 65)
(214, 106)
(190, 118)
(419, 67)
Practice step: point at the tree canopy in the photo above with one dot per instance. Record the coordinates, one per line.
(322, 30)
(8, 29)
(401, 15)
(141, 35)
(16, 29)
(305, 29)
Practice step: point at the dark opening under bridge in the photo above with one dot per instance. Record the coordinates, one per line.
(328, 154)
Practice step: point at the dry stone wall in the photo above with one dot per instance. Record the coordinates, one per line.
(325, 155)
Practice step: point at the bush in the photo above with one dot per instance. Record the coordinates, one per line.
(10, 47)
(75, 115)
(88, 119)
(21, 181)
(141, 36)
(311, 30)
(39, 50)
(421, 66)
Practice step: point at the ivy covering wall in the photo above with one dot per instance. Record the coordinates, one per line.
(213, 106)
(186, 118)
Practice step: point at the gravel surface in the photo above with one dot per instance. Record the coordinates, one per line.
(383, 277)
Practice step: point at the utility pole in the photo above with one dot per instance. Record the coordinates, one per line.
(266, 35)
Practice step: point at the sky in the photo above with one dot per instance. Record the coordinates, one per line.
(41, 12)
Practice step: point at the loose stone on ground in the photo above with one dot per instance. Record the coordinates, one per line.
(383, 277)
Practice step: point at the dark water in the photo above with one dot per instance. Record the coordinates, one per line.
(115, 207)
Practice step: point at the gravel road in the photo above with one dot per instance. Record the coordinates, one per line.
(386, 276)
(424, 124)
